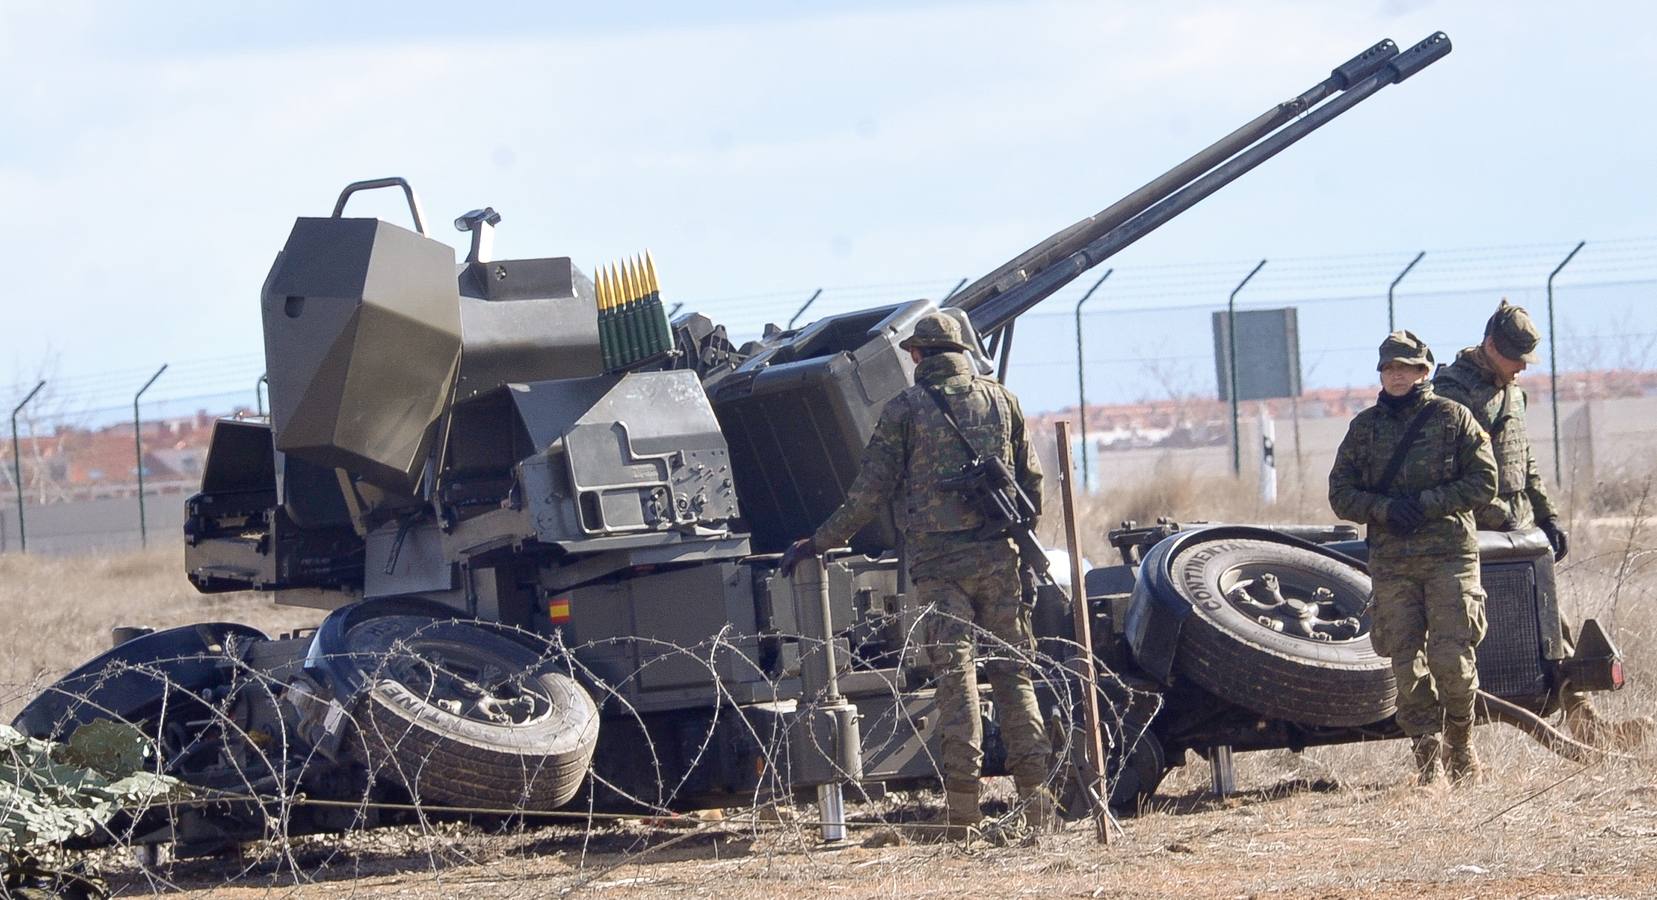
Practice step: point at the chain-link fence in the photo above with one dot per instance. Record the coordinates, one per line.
(80, 466)
(1141, 348)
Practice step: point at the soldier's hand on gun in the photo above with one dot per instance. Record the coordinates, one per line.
(797, 552)
(1404, 515)
(1558, 538)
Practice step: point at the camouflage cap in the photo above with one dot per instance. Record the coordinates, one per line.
(936, 330)
(1513, 333)
(1405, 347)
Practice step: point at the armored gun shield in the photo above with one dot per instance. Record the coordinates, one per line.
(362, 343)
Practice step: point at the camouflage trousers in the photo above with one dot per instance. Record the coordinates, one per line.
(982, 603)
(1428, 616)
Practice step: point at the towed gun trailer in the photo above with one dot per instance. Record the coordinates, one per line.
(546, 527)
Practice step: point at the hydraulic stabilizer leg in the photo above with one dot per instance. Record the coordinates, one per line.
(829, 713)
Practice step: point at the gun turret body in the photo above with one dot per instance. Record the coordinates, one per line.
(453, 413)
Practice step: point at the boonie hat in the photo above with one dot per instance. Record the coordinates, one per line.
(1513, 333)
(935, 330)
(1405, 347)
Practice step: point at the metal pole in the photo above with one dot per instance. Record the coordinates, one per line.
(1390, 326)
(259, 389)
(1231, 387)
(952, 291)
(1094, 748)
(17, 469)
(1553, 370)
(138, 445)
(1006, 352)
(803, 307)
(1268, 456)
(1300, 461)
(820, 687)
(1081, 382)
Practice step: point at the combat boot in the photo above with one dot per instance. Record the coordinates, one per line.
(960, 819)
(1460, 759)
(1041, 811)
(1427, 748)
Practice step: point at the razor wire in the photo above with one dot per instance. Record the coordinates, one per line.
(270, 781)
(220, 740)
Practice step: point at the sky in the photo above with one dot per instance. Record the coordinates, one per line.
(158, 153)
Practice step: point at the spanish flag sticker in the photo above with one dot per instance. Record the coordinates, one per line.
(558, 609)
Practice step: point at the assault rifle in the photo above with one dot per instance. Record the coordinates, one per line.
(989, 486)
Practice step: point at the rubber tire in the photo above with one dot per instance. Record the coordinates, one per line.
(1229, 654)
(133, 681)
(445, 759)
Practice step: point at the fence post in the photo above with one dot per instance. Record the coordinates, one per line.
(1553, 370)
(1391, 327)
(259, 389)
(17, 469)
(803, 307)
(1231, 388)
(138, 444)
(1081, 381)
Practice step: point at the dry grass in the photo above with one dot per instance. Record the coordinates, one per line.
(1339, 821)
(57, 611)
(1543, 828)
(1176, 491)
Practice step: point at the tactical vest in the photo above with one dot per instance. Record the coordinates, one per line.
(980, 407)
(1500, 411)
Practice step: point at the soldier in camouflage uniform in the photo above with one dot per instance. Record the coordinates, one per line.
(1482, 378)
(970, 583)
(1428, 607)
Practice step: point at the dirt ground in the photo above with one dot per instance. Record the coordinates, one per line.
(1327, 823)
(1330, 822)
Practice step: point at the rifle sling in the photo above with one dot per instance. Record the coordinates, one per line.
(943, 407)
(1036, 564)
(1397, 461)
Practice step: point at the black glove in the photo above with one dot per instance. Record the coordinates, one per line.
(800, 550)
(1557, 537)
(1404, 515)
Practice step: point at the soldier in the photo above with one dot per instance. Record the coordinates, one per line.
(968, 581)
(1413, 467)
(1482, 378)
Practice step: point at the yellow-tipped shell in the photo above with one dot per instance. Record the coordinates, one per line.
(651, 284)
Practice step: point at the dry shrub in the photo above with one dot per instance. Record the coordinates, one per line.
(1622, 490)
(1611, 575)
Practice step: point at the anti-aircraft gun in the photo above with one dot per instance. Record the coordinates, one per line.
(545, 525)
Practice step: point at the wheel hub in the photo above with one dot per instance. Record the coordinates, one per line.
(1305, 611)
(463, 685)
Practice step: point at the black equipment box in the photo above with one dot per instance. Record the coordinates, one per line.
(798, 415)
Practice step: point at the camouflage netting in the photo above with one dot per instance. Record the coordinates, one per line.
(52, 792)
